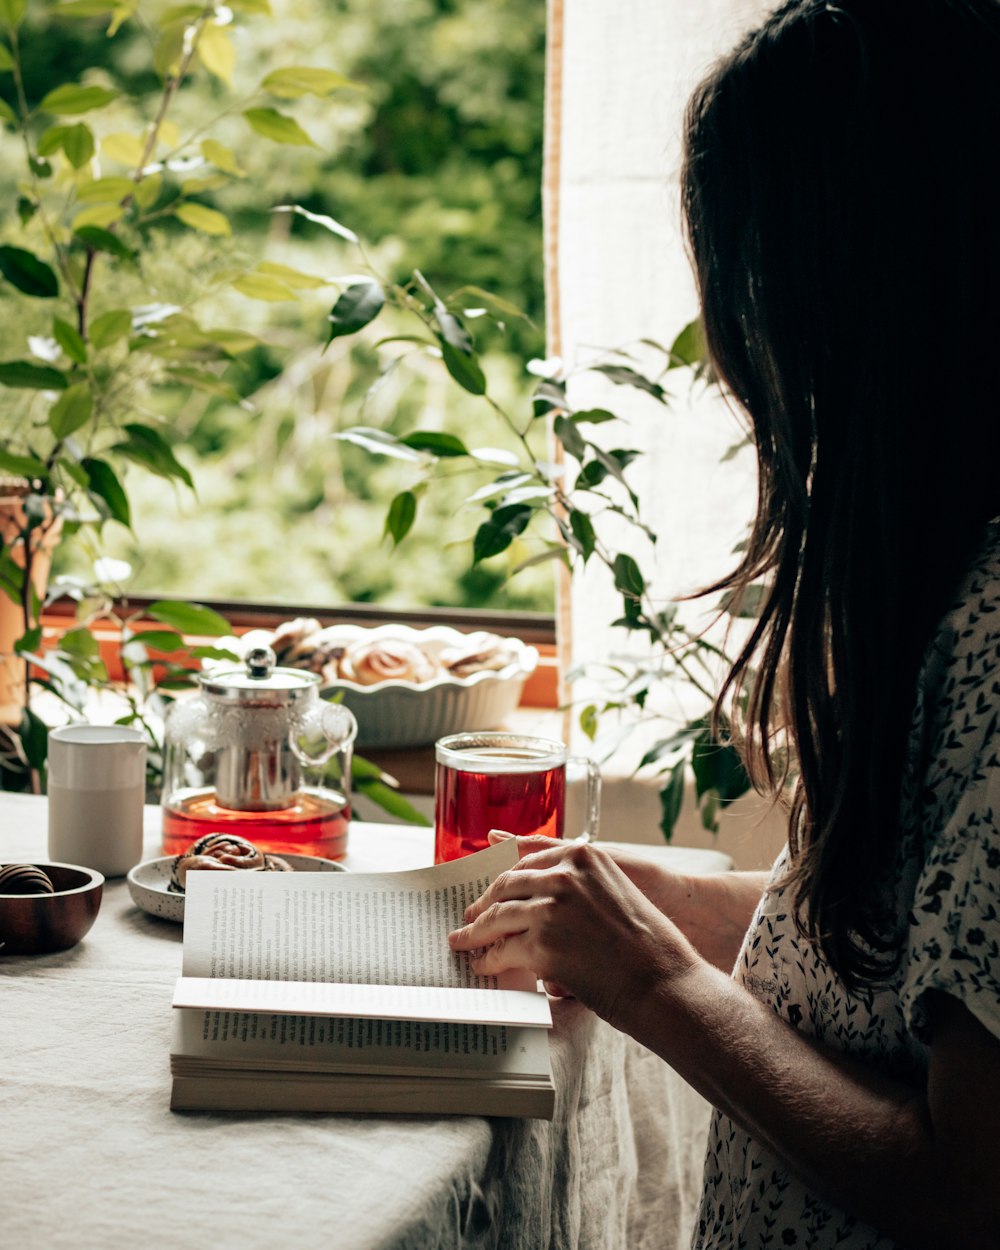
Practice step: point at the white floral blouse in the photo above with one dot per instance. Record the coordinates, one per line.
(947, 892)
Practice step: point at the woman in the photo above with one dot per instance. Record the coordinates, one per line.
(841, 196)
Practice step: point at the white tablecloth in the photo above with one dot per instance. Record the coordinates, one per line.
(92, 1159)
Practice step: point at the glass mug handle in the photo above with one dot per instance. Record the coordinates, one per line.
(592, 800)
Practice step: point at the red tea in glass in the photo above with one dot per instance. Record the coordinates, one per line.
(505, 781)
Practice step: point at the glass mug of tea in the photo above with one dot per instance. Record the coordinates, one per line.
(508, 781)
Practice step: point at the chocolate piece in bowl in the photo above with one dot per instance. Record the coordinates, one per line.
(39, 924)
(24, 879)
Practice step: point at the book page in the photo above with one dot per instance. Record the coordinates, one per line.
(354, 928)
(383, 1002)
(204, 1040)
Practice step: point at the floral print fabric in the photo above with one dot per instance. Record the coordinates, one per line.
(946, 898)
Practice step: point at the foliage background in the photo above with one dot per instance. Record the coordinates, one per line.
(435, 161)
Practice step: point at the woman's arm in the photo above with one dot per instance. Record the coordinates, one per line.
(918, 1164)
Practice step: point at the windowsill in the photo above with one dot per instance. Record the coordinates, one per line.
(541, 688)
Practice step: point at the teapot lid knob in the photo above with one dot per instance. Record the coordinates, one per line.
(260, 661)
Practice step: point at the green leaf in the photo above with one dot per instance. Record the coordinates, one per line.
(689, 347)
(182, 14)
(500, 486)
(189, 618)
(7, 114)
(12, 12)
(278, 127)
(401, 515)
(72, 410)
(746, 606)
(668, 746)
(442, 445)
(295, 81)
(496, 534)
(214, 653)
(33, 731)
(589, 721)
(109, 327)
(21, 466)
(157, 640)
(29, 641)
(621, 375)
(78, 144)
(69, 99)
(169, 48)
(453, 332)
(583, 530)
(671, 800)
(80, 642)
(718, 768)
(6, 60)
(147, 446)
(553, 551)
(101, 240)
(359, 305)
(379, 443)
(100, 215)
(216, 52)
(86, 8)
(69, 340)
(368, 780)
(570, 437)
(319, 219)
(222, 158)
(262, 286)
(294, 278)
(25, 271)
(709, 812)
(464, 368)
(101, 190)
(628, 578)
(209, 383)
(260, 7)
(28, 376)
(147, 191)
(593, 416)
(104, 484)
(123, 147)
(207, 220)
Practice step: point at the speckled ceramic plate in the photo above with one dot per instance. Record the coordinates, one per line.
(148, 882)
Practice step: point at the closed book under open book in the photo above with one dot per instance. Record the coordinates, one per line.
(338, 992)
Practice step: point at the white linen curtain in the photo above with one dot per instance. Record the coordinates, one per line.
(618, 79)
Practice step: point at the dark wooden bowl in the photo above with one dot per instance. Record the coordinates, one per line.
(35, 924)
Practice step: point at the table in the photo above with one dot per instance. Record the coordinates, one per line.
(92, 1159)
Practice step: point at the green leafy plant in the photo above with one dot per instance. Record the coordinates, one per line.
(108, 180)
(561, 506)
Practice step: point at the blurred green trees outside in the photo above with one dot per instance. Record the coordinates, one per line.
(433, 158)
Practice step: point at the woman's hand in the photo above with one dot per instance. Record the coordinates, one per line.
(712, 912)
(568, 913)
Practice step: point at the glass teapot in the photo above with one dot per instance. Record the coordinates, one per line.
(257, 753)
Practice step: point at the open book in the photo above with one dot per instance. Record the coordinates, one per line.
(338, 992)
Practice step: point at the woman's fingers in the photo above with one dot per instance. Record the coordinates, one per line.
(500, 918)
(517, 882)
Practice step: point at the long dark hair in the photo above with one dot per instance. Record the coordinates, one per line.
(842, 201)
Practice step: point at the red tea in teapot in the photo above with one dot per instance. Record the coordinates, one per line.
(315, 824)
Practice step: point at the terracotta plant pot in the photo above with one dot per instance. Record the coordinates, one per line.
(12, 520)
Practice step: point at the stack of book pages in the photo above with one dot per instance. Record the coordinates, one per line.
(339, 992)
